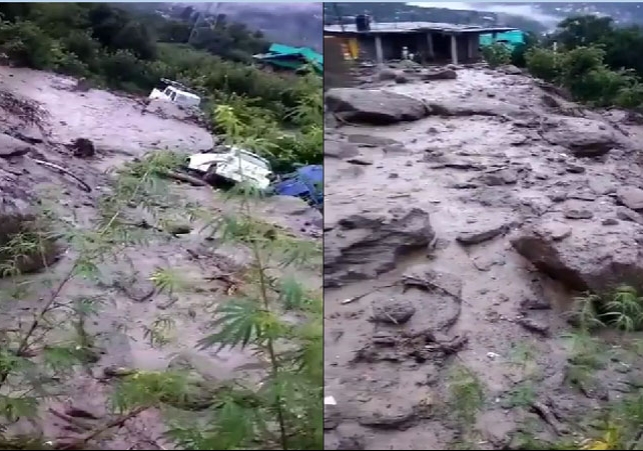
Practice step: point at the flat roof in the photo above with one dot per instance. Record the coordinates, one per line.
(413, 27)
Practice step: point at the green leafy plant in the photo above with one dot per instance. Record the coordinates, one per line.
(496, 54)
(286, 411)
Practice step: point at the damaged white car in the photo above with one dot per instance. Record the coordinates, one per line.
(232, 166)
(176, 93)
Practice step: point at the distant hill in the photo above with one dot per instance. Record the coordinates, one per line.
(623, 13)
(535, 17)
(402, 12)
(298, 24)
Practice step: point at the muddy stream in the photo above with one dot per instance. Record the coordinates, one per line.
(121, 131)
(482, 167)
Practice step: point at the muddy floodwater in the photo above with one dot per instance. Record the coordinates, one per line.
(456, 236)
(121, 130)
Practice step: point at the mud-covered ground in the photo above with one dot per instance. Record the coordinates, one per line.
(423, 219)
(121, 131)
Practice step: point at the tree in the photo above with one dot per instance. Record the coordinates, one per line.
(583, 31)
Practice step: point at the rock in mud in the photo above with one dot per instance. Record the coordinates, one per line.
(341, 150)
(625, 214)
(351, 443)
(370, 140)
(439, 74)
(445, 299)
(400, 418)
(534, 303)
(366, 244)
(535, 326)
(392, 311)
(179, 228)
(631, 197)
(577, 210)
(83, 148)
(12, 147)
(593, 257)
(401, 78)
(601, 185)
(361, 160)
(498, 178)
(584, 137)
(375, 107)
(332, 417)
(387, 74)
(477, 107)
(554, 230)
(482, 233)
(510, 69)
(574, 168)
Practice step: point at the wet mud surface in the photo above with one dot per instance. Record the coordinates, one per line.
(120, 131)
(424, 219)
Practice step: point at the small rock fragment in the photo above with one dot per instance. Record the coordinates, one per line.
(361, 160)
(481, 235)
(392, 311)
(575, 210)
(534, 326)
(631, 197)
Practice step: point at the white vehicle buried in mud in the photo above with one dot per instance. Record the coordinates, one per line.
(232, 166)
(176, 95)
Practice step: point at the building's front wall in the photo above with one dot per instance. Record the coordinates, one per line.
(467, 44)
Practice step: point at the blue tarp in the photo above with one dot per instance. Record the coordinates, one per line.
(306, 182)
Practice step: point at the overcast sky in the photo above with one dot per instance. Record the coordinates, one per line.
(518, 9)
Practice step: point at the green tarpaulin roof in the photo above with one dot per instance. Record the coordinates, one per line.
(279, 51)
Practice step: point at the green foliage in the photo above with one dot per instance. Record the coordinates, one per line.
(287, 410)
(543, 63)
(112, 47)
(496, 54)
(131, 51)
(621, 309)
(597, 62)
(466, 394)
(239, 118)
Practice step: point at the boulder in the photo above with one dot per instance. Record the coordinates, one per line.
(475, 107)
(339, 149)
(83, 148)
(387, 74)
(401, 78)
(440, 74)
(593, 257)
(584, 137)
(510, 69)
(12, 147)
(631, 197)
(375, 107)
(363, 245)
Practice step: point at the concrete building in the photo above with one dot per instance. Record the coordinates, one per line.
(430, 42)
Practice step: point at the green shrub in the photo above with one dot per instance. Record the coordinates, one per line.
(543, 63)
(496, 54)
(106, 45)
(26, 44)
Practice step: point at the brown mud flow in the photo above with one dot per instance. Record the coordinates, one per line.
(43, 116)
(465, 207)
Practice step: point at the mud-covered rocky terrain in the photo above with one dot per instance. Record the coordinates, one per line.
(465, 209)
(42, 116)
